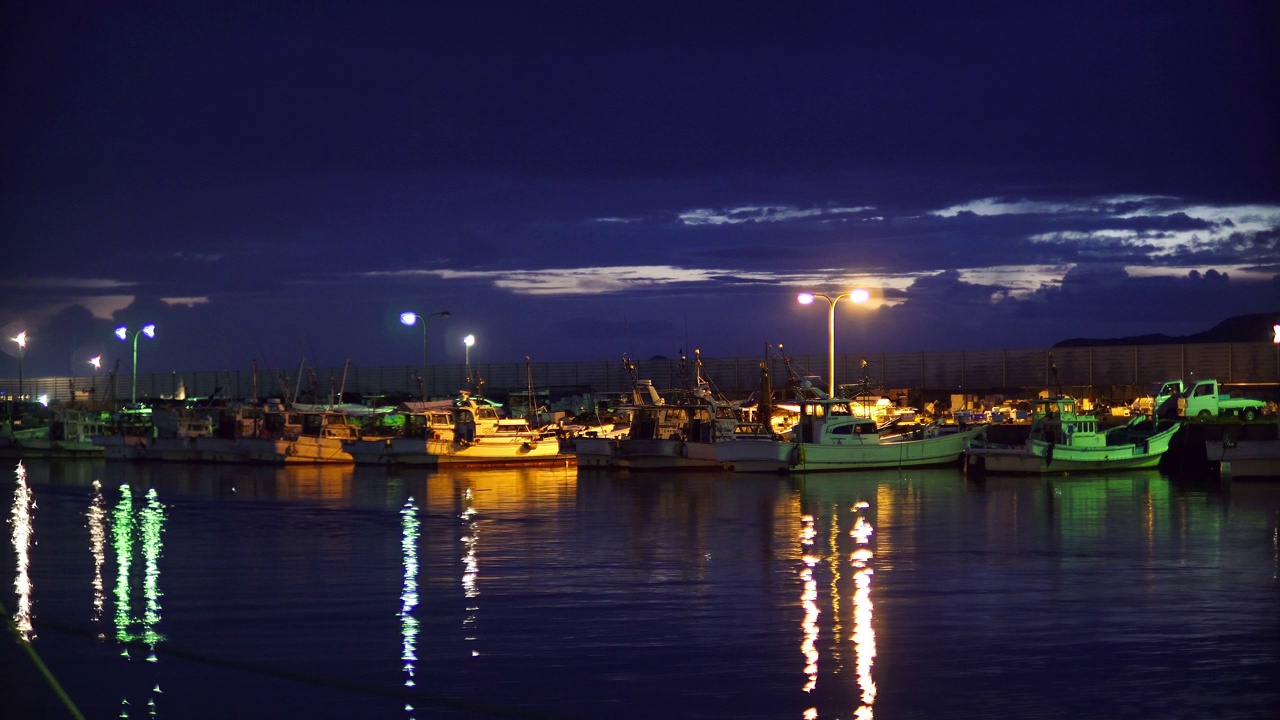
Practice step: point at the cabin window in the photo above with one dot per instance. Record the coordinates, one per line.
(842, 430)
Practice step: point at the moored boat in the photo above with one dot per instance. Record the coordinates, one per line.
(830, 436)
(465, 431)
(1064, 440)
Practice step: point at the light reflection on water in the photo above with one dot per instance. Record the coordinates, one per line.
(336, 592)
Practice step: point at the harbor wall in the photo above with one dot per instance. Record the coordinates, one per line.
(1108, 373)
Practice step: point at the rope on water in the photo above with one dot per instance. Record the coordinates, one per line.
(44, 670)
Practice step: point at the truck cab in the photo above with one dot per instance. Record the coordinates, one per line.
(1205, 400)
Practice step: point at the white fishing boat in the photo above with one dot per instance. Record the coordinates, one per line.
(1064, 440)
(292, 437)
(466, 431)
(678, 435)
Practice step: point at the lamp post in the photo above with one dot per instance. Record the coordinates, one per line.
(21, 339)
(858, 296)
(123, 333)
(408, 319)
(96, 362)
(469, 341)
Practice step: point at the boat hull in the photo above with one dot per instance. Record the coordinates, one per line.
(757, 455)
(657, 454)
(1245, 458)
(598, 452)
(933, 451)
(1037, 457)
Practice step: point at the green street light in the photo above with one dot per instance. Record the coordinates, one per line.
(408, 319)
(123, 333)
(857, 296)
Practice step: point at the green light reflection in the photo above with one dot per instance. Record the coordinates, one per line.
(410, 529)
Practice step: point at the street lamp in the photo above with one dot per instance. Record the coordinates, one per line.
(469, 341)
(408, 319)
(857, 296)
(21, 339)
(96, 362)
(122, 332)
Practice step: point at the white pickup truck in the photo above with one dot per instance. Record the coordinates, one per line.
(1202, 399)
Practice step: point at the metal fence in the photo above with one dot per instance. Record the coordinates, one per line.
(1108, 372)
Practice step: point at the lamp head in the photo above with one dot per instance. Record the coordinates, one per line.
(408, 318)
(96, 361)
(149, 330)
(469, 340)
(805, 298)
(122, 332)
(443, 313)
(859, 295)
(21, 339)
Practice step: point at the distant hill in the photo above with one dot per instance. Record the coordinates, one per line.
(1241, 328)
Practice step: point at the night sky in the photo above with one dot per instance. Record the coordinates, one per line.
(574, 181)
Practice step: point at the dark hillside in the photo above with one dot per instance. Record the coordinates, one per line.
(1241, 328)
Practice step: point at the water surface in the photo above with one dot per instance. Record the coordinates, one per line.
(211, 592)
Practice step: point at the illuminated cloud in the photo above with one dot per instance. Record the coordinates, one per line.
(184, 301)
(764, 214)
(64, 282)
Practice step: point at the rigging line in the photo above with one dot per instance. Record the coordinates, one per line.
(44, 670)
(168, 649)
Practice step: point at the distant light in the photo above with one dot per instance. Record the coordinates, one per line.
(408, 318)
(21, 339)
(122, 332)
(805, 298)
(859, 296)
(1277, 338)
(469, 340)
(96, 361)
(149, 330)
(43, 400)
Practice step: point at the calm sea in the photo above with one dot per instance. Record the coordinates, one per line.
(167, 591)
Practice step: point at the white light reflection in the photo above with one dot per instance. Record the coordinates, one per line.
(809, 601)
(152, 526)
(20, 517)
(864, 635)
(98, 547)
(471, 566)
(409, 531)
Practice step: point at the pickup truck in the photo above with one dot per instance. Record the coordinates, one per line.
(1203, 399)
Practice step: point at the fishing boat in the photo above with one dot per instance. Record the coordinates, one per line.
(680, 434)
(461, 432)
(128, 435)
(69, 434)
(1065, 440)
(291, 437)
(831, 436)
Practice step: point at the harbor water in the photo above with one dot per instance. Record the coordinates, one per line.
(189, 591)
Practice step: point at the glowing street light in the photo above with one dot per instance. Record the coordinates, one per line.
(21, 339)
(469, 341)
(408, 319)
(96, 362)
(857, 296)
(122, 332)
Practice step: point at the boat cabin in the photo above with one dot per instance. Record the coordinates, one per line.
(1055, 420)
(833, 422)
